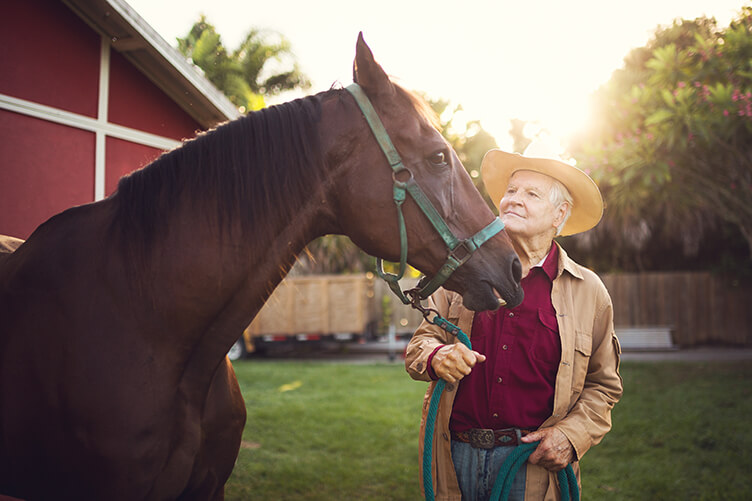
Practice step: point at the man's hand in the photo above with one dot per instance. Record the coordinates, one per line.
(455, 361)
(554, 452)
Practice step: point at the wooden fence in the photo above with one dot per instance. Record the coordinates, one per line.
(701, 308)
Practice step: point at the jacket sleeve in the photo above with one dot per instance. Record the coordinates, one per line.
(589, 419)
(428, 337)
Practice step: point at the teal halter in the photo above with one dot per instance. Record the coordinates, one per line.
(459, 250)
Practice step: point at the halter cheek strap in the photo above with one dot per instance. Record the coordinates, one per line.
(459, 250)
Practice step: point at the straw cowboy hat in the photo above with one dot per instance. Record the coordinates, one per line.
(498, 166)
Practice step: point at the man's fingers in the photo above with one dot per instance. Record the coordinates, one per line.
(553, 453)
(453, 362)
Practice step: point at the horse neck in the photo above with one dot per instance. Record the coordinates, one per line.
(207, 288)
(214, 277)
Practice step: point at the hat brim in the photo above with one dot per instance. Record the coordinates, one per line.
(498, 166)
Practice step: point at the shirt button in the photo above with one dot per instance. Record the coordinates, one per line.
(495, 415)
(505, 347)
(511, 314)
(499, 380)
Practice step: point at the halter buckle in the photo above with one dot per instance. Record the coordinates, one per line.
(462, 252)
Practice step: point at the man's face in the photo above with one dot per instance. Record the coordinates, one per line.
(526, 208)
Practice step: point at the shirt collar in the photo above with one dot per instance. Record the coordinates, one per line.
(550, 262)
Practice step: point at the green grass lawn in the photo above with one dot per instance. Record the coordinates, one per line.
(331, 431)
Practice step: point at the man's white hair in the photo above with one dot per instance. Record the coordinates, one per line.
(557, 196)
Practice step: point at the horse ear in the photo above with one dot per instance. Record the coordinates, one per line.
(367, 72)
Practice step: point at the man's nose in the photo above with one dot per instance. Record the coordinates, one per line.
(513, 199)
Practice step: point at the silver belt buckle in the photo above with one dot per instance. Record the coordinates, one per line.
(482, 438)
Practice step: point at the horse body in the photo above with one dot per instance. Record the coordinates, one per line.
(81, 414)
(90, 401)
(117, 315)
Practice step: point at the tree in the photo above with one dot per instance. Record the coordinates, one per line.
(469, 139)
(263, 64)
(672, 143)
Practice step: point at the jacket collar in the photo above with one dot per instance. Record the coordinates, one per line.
(567, 264)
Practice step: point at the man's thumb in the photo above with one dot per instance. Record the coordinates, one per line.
(532, 437)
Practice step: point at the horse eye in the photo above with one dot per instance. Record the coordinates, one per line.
(438, 159)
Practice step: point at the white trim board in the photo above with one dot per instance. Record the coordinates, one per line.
(100, 155)
(83, 122)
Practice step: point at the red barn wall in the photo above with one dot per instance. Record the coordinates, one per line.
(123, 157)
(51, 57)
(137, 103)
(49, 168)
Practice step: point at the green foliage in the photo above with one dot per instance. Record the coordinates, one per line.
(334, 254)
(263, 64)
(468, 138)
(671, 145)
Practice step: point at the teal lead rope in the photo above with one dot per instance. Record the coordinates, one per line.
(503, 484)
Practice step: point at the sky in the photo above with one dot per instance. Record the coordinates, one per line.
(537, 60)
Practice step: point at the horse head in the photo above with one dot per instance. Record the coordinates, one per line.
(366, 180)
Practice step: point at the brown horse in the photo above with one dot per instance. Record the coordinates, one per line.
(115, 317)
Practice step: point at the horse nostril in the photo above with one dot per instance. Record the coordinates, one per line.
(516, 269)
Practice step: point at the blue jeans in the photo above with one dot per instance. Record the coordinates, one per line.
(477, 469)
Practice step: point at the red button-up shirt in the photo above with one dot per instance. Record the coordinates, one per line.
(514, 387)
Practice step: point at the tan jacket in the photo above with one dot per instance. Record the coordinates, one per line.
(588, 383)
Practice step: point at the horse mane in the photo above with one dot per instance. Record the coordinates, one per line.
(245, 170)
(256, 170)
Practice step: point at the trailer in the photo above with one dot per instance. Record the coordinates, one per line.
(313, 309)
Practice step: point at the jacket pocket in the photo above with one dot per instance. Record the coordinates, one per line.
(583, 347)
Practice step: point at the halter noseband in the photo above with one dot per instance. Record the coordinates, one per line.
(459, 250)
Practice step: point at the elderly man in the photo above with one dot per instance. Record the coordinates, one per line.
(544, 371)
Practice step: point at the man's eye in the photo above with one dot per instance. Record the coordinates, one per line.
(438, 159)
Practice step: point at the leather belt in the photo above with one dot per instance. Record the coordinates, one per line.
(484, 438)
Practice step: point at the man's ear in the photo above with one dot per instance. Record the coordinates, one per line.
(560, 213)
(367, 72)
